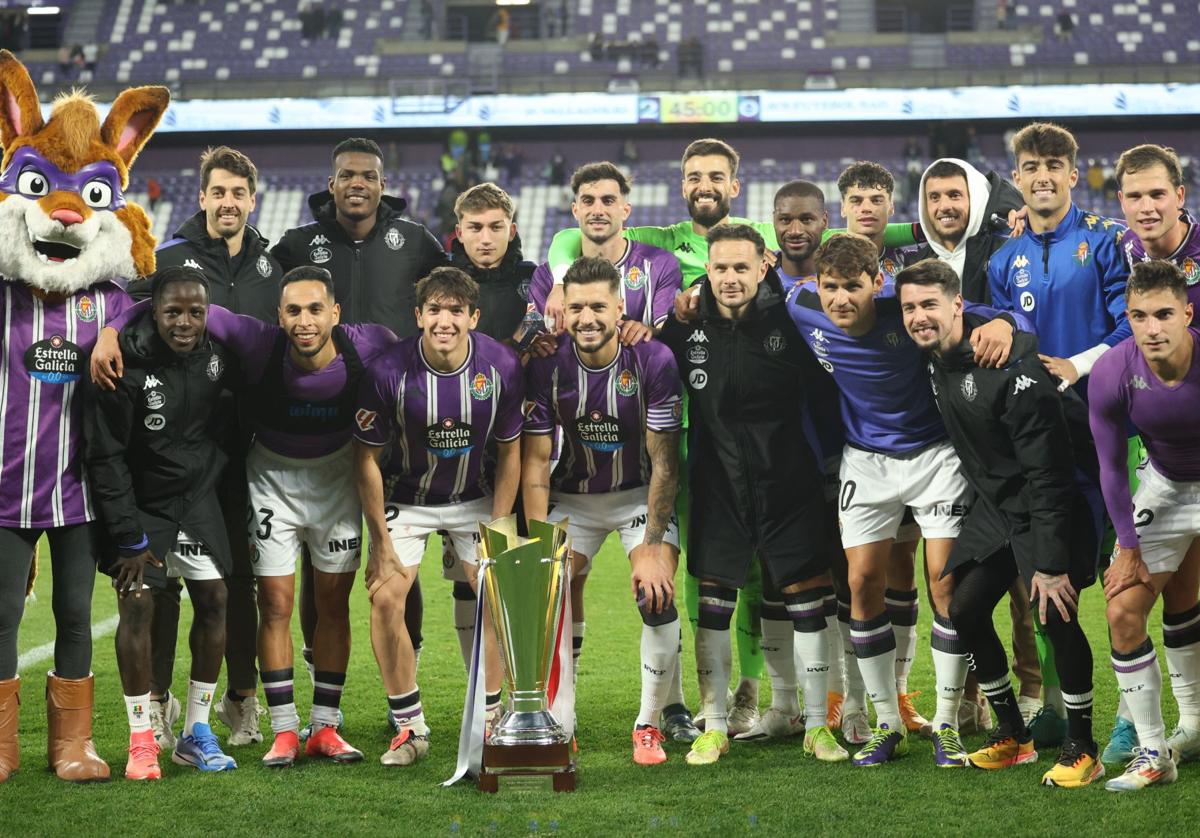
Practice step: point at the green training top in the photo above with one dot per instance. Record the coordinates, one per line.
(691, 248)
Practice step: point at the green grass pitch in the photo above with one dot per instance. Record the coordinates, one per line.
(757, 789)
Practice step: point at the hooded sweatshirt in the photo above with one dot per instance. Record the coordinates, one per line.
(990, 195)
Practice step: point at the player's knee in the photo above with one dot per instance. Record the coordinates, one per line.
(389, 599)
(463, 592)
(963, 614)
(274, 605)
(136, 612)
(662, 618)
(1125, 625)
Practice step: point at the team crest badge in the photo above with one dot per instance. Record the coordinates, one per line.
(481, 387)
(264, 266)
(393, 239)
(634, 278)
(626, 383)
(775, 342)
(889, 267)
(969, 390)
(85, 309)
(1082, 254)
(215, 368)
(892, 339)
(1190, 270)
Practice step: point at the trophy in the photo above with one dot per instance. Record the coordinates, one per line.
(525, 583)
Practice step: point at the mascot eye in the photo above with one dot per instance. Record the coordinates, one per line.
(97, 193)
(33, 182)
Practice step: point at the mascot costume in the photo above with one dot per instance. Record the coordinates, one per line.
(68, 242)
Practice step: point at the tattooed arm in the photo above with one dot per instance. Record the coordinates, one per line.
(535, 475)
(663, 448)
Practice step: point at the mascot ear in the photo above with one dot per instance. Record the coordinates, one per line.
(132, 119)
(20, 112)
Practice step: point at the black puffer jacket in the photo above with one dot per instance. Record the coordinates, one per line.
(152, 455)
(1027, 451)
(247, 283)
(375, 279)
(503, 290)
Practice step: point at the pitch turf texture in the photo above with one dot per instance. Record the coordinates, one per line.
(767, 789)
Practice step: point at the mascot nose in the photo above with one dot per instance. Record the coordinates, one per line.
(67, 217)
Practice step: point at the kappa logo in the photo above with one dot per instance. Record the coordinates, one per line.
(1021, 261)
(192, 263)
(151, 382)
(1022, 383)
(819, 343)
(698, 336)
(1139, 383)
(1090, 221)
(393, 238)
(318, 240)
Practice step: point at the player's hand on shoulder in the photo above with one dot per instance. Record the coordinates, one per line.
(1016, 221)
(687, 304)
(107, 365)
(1127, 570)
(1062, 369)
(632, 332)
(992, 343)
(542, 346)
(555, 313)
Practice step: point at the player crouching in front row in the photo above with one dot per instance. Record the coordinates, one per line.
(154, 463)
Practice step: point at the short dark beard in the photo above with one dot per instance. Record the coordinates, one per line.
(719, 213)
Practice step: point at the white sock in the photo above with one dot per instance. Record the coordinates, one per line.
(813, 668)
(950, 672)
(199, 702)
(675, 688)
(464, 627)
(836, 682)
(856, 690)
(137, 710)
(874, 642)
(577, 632)
(778, 648)
(714, 660)
(407, 711)
(902, 608)
(1183, 664)
(1052, 698)
(1140, 680)
(659, 647)
(1123, 708)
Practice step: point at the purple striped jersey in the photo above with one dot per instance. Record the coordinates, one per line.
(650, 279)
(46, 347)
(604, 413)
(439, 424)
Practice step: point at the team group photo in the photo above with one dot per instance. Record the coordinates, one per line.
(875, 433)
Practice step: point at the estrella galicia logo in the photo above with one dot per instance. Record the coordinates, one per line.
(320, 255)
(54, 361)
(448, 438)
(600, 432)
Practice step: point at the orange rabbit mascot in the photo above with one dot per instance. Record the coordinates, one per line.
(68, 242)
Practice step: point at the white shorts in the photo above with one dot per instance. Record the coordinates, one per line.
(1167, 517)
(294, 502)
(411, 526)
(592, 517)
(908, 530)
(877, 487)
(190, 559)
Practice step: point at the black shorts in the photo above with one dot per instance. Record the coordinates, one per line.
(792, 543)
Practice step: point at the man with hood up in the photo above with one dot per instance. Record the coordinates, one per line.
(963, 216)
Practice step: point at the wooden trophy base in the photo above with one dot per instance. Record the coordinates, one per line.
(546, 767)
